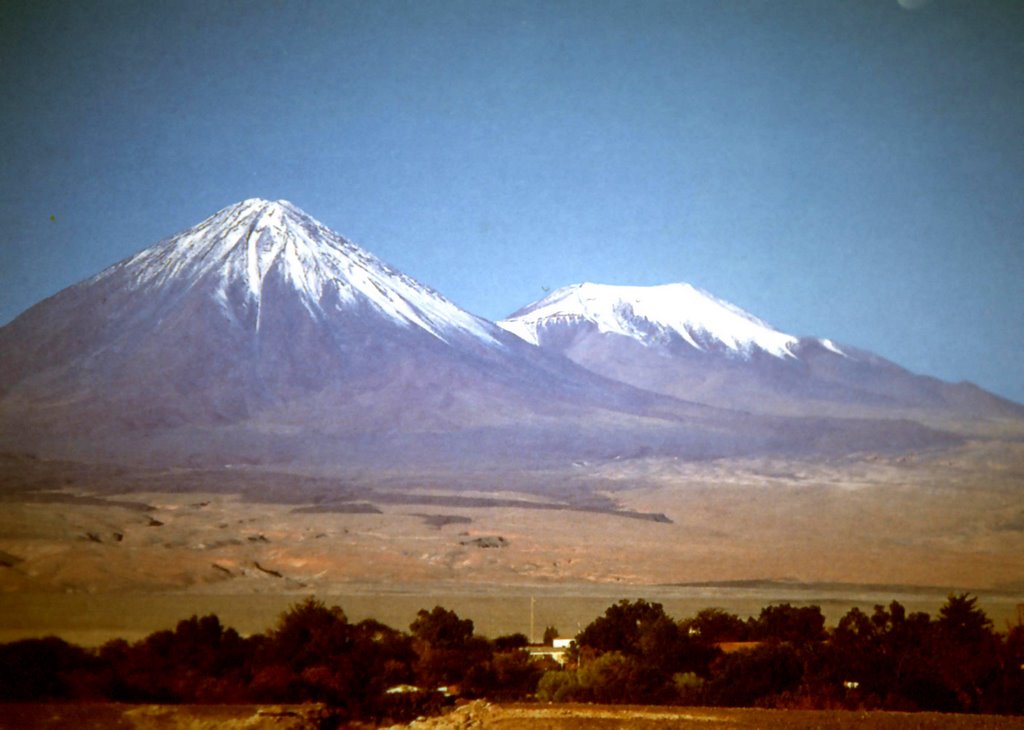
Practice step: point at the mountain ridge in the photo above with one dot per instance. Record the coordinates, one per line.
(679, 340)
(223, 326)
(260, 334)
(651, 315)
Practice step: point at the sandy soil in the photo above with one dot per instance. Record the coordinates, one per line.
(136, 551)
(102, 716)
(578, 717)
(478, 715)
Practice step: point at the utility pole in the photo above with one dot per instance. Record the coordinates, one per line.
(533, 633)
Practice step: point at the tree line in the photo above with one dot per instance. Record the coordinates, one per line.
(786, 658)
(635, 653)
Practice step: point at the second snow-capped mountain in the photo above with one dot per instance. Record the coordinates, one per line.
(679, 340)
(664, 316)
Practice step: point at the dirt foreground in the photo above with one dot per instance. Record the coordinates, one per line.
(481, 714)
(475, 715)
(113, 716)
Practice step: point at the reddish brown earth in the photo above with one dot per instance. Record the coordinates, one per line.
(479, 714)
(92, 553)
(606, 717)
(111, 716)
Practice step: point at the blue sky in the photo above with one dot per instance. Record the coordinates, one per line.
(850, 170)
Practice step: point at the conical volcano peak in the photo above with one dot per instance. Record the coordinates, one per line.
(264, 204)
(256, 206)
(239, 242)
(267, 213)
(280, 218)
(241, 252)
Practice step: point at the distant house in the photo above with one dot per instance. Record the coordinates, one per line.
(557, 652)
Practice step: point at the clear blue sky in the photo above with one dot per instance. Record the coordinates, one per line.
(853, 170)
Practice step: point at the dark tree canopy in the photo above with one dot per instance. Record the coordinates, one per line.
(746, 678)
(621, 626)
(713, 625)
(962, 621)
(441, 628)
(634, 653)
(793, 624)
(511, 641)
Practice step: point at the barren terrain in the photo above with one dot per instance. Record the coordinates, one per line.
(92, 552)
(571, 717)
(483, 715)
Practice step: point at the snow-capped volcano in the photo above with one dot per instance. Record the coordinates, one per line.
(255, 304)
(653, 315)
(244, 249)
(261, 332)
(682, 341)
(247, 309)
(261, 335)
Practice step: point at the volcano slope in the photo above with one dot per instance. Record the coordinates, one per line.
(260, 336)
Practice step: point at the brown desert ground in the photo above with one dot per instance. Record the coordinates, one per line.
(485, 716)
(90, 552)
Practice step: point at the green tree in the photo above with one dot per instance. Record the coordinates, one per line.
(621, 626)
(511, 641)
(441, 628)
(652, 646)
(962, 621)
(507, 675)
(559, 686)
(714, 625)
(755, 677)
(47, 669)
(783, 622)
(308, 656)
(381, 658)
(309, 633)
(445, 647)
(855, 657)
(200, 661)
(965, 650)
(609, 678)
(1005, 695)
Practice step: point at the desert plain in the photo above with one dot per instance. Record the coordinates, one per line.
(92, 552)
